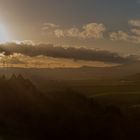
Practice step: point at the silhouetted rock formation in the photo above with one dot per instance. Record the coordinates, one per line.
(20, 83)
(20, 77)
(28, 114)
(13, 77)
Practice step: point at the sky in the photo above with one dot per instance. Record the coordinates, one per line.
(110, 25)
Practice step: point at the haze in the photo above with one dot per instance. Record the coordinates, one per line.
(95, 25)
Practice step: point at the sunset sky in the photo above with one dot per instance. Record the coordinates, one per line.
(110, 25)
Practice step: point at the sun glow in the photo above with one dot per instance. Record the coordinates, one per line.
(4, 35)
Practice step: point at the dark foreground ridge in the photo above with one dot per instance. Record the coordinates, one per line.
(28, 114)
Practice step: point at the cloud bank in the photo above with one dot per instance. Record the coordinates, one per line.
(88, 31)
(132, 36)
(75, 54)
(134, 22)
(95, 31)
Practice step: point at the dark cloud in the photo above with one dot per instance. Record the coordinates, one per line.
(68, 53)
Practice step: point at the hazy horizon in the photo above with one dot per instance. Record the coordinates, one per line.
(52, 34)
(69, 69)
